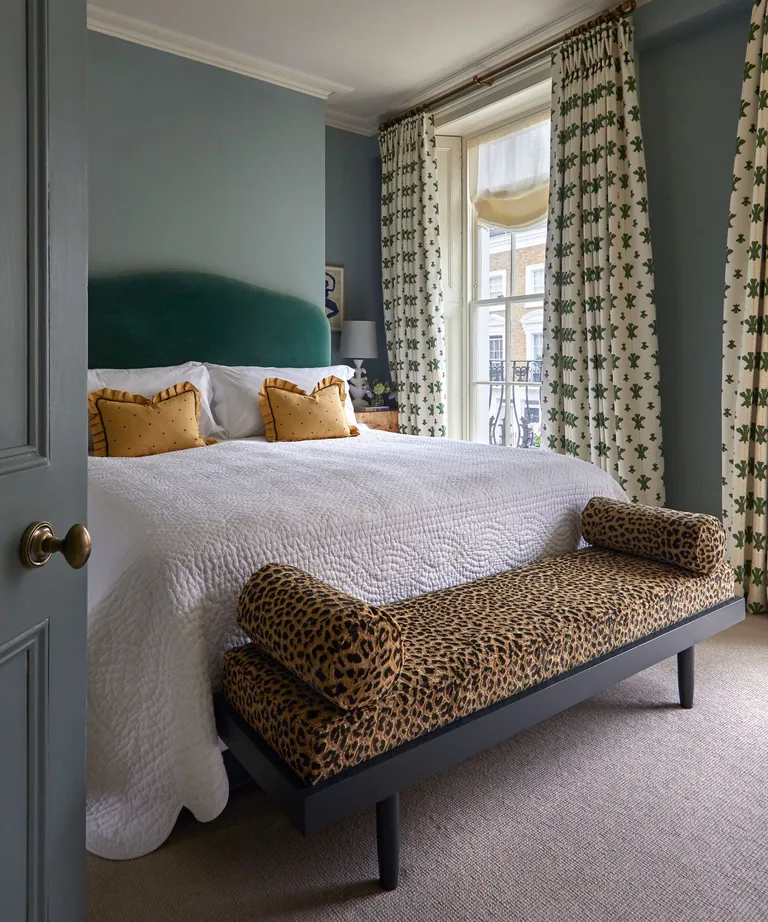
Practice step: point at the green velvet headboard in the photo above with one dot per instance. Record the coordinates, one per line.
(144, 319)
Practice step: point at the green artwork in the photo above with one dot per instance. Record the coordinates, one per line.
(745, 363)
(411, 277)
(600, 391)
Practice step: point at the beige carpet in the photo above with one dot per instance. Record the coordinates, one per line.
(623, 809)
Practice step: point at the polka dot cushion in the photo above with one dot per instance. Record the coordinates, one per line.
(291, 414)
(127, 425)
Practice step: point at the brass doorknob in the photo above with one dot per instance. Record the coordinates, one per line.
(39, 543)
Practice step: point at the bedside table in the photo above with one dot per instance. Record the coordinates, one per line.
(386, 420)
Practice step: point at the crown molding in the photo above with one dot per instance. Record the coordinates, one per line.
(186, 46)
(335, 118)
(551, 31)
(145, 33)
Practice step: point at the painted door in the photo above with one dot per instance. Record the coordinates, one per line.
(42, 457)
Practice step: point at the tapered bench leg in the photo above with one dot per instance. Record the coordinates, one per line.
(685, 677)
(388, 840)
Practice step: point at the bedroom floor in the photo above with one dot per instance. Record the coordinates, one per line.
(623, 809)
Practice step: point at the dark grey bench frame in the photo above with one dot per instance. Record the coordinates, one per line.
(379, 781)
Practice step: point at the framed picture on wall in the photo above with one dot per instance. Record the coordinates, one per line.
(334, 296)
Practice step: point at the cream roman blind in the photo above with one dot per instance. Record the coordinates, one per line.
(509, 175)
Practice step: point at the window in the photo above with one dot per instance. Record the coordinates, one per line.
(496, 355)
(496, 348)
(532, 323)
(494, 186)
(507, 182)
(506, 383)
(505, 408)
(537, 347)
(497, 283)
(534, 279)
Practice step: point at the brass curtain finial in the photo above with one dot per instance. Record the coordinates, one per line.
(489, 78)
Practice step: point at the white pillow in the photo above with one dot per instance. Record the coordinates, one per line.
(151, 381)
(236, 393)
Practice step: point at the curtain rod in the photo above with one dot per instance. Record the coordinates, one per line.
(487, 79)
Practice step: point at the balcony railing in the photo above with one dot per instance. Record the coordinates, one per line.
(517, 421)
(519, 372)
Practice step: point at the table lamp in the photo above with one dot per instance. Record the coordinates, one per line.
(358, 342)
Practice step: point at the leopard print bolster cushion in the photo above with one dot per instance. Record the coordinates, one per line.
(687, 539)
(346, 649)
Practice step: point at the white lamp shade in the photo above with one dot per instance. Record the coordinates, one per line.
(358, 339)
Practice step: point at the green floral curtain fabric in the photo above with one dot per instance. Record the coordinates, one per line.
(745, 362)
(600, 392)
(411, 278)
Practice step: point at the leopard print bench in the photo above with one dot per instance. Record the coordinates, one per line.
(467, 648)
(332, 685)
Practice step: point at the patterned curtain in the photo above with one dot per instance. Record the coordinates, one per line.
(601, 378)
(411, 278)
(745, 362)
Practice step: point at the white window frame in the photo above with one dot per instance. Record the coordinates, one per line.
(473, 244)
(450, 153)
(520, 97)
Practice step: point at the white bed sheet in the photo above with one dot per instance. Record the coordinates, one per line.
(176, 536)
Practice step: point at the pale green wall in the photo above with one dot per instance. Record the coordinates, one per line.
(690, 61)
(196, 167)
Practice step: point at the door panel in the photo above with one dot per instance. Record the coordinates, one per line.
(13, 207)
(42, 456)
(24, 693)
(14, 817)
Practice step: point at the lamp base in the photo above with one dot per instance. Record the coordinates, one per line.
(356, 386)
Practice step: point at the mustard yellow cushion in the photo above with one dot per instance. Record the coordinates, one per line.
(127, 425)
(291, 414)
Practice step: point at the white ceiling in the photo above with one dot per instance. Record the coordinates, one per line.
(373, 57)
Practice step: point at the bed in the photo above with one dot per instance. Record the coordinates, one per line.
(175, 536)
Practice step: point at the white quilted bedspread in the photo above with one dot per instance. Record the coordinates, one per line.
(176, 536)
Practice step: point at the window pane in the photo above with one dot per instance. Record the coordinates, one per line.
(506, 406)
(538, 346)
(489, 349)
(489, 414)
(507, 339)
(525, 411)
(528, 325)
(530, 246)
(493, 262)
(515, 422)
(510, 263)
